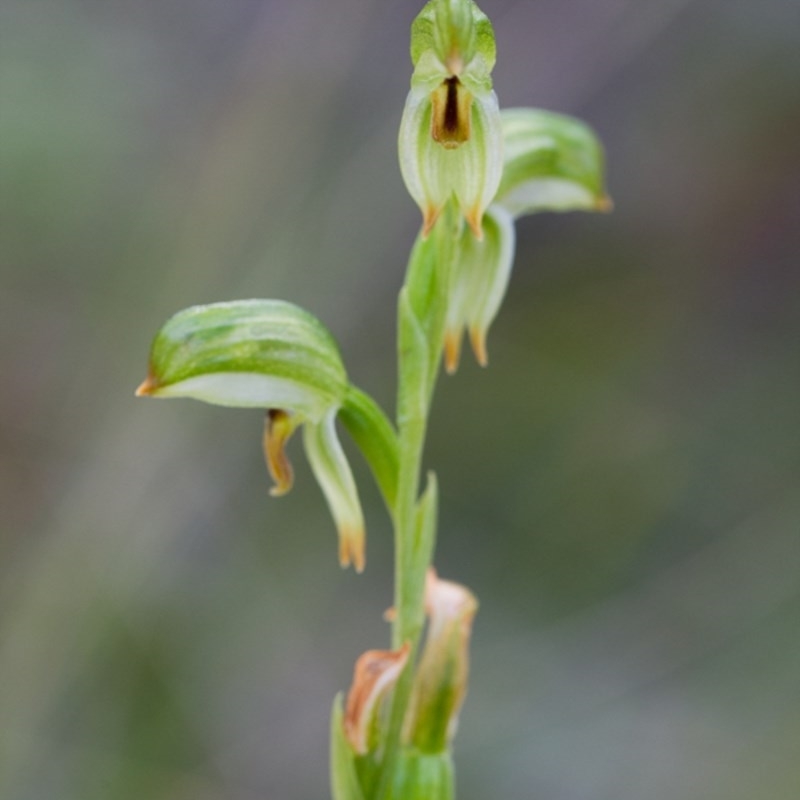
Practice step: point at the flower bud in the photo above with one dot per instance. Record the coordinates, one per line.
(376, 672)
(450, 138)
(479, 285)
(440, 684)
(273, 355)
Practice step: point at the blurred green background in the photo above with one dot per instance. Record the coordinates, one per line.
(621, 488)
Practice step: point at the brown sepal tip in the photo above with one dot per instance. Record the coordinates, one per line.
(429, 217)
(477, 339)
(474, 219)
(604, 204)
(452, 351)
(351, 549)
(147, 387)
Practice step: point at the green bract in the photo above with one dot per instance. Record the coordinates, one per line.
(273, 355)
(440, 683)
(344, 778)
(423, 776)
(451, 140)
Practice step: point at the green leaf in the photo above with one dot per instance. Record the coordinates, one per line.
(552, 163)
(427, 281)
(344, 780)
(248, 353)
(376, 438)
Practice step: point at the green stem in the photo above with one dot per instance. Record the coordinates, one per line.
(421, 324)
(408, 603)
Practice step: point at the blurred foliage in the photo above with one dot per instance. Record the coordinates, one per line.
(620, 489)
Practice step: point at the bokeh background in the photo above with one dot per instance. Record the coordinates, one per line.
(621, 488)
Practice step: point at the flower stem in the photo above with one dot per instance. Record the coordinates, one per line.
(420, 341)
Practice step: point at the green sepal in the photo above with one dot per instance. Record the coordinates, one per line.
(248, 353)
(448, 26)
(375, 436)
(552, 162)
(422, 776)
(344, 778)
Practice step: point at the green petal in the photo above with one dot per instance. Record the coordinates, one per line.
(248, 353)
(332, 471)
(552, 163)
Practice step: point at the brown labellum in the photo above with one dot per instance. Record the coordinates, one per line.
(450, 119)
(278, 428)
